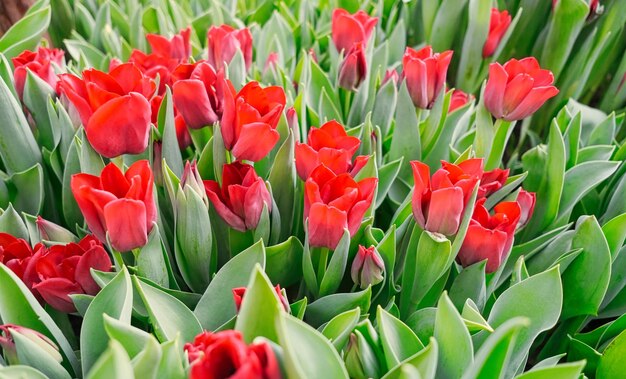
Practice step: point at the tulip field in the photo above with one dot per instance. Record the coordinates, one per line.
(261, 189)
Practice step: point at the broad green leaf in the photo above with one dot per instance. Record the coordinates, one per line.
(425, 361)
(398, 340)
(455, 344)
(20, 372)
(324, 309)
(26, 33)
(562, 371)
(284, 262)
(612, 361)
(113, 363)
(131, 338)
(339, 328)
(34, 355)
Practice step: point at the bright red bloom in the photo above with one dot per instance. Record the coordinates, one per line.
(526, 201)
(518, 89)
(425, 74)
(498, 25)
(117, 204)
(492, 181)
(113, 108)
(239, 292)
(333, 203)
(353, 69)
(241, 198)
(177, 47)
(224, 42)
(458, 100)
(225, 355)
(331, 146)
(195, 95)
(41, 63)
(63, 270)
(439, 202)
(15, 253)
(490, 236)
(349, 29)
(249, 119)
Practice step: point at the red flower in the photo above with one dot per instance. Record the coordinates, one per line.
(15, 253)
(224, 355)
(41, 63)
(177, 47)
(491, 181)
(249, 119)
(271, 62)
(353, 68)
(349, 29)
(331, 146)
(392, 75)
(195, 95)
(458, 100)
(224, 41)
(117, 204)
(490, 236)
(425, 74)
(498, 25)
(241, 198)
(113, 108)
(333, 203)
(63, 270)
(239, 292)
(526, 201)
(367, 268)
(438, 203)
(518, 89)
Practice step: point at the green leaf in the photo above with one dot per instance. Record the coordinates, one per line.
(146, 363)
(152, 261)
(398, 340)
(479, 13)
(26, 33)
(37, 96)
(308, 354)
(32, 354)
(11, 223)
(113, 363)
(469, 284)
(170, 149)
(425, 361)
(216, 305)
(284, 262)
(283, 181)
(115, 300)
(132, 339)
(20, 372)
(339, 328)
(405, 141)
(168, 315)
(336, 267)
(612, 361)
(562, 371)
(455, 344)
(325, 308)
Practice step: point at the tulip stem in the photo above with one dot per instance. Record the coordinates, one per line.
(323, 259)
(117, 258)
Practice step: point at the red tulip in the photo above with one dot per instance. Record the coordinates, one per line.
(9, 350)
(333, 203)
(224, 355)
(367, 268)
(224, 41)
(196, 95)
(491, 181)
(293, 123)
(391, 75)
(177, 47)
(40, 63)
(498, 25)
(16, 253)
(63, 270)
(349, 29)
(117, 204)
(425, 74)
(113, 108)
(249, 119)
(50, 231)
(331, 146)
(239, 292)
(353, 69)
(458, 100)
(526, 201)
(490, 236)
(241, 198)
(518, 89)
(439, 202)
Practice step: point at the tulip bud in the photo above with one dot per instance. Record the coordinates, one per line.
(7, 341)
(50, 231)
(391, 75)
(360, 359)
(191, 178)
(367, 267)
(458, 100)
(239, 292)
(526, 201)
(353, 68)
(498, 25)
(271, 62)
(425, 73)
(293, 123)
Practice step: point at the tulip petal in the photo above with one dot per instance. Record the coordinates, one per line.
(494, 90)
(255, 141)
(97, 259)
(326, 225)
(480, 244)
(445, 211)
(192, 102)
(306, 160)
(126, 225)
(222, 209)
(532, 102)
(56, 291)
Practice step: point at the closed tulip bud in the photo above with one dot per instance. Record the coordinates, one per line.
(224, 42)
(11, 332)
(191, 178)
(425, 73)
(360, 358)
(50, 231)
(293, 123)
(349, 29)
(271, 62)
(526, 201)
(353, 69)
(238, 294)
(367, 268)
(391, 75)
(498, 25)
(458, 100)
(518, 89)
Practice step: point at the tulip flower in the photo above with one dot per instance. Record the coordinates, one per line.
(293, 123)
(458, 100)
(50, 231)
(367, 268)
(113, 108)
(488, 236)
(7, 342)
(16, 253)
(40, 63)
(439, 202)
(498, 25)
(518, 89)
(196, 96)
(353, 69)
(63, 270)
(224, 355)
(391, 75)
(491, 181)
(224, 41)
(425, 74)
(350, 29)
(249, 119)
(241, 198)
(177, 47)
(238, 294)
(333, 203)
(118, 205)
(526, 201)
(331, 146)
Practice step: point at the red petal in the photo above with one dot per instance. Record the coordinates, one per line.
(126, 224)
